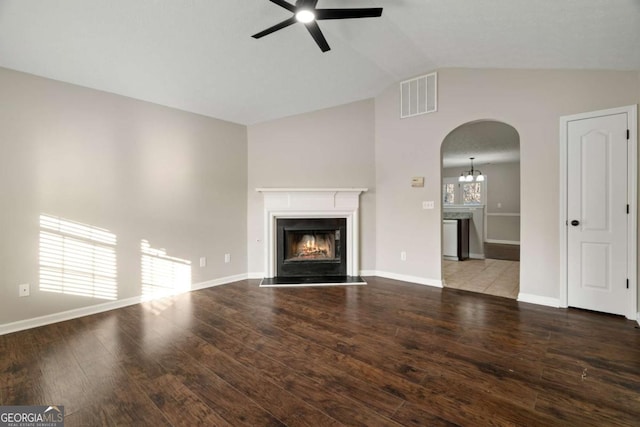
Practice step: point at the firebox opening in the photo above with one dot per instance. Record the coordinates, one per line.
(311, 247)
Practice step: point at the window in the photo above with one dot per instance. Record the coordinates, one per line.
(463, 193)
(449, 194)
(77, 259)
(472, 193)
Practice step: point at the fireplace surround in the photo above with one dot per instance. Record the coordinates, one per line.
(298, 208)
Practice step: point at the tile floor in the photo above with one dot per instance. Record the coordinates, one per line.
(487, 276)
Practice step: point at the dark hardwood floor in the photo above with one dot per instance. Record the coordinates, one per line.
(389, 353)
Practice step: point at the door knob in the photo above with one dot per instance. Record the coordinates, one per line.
(575, 222)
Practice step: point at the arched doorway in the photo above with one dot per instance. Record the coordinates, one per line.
(481, 208)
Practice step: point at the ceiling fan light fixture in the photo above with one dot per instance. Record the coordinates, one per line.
(305, 16)
(306, 12)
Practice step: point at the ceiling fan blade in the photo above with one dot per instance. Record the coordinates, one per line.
(317, 35)
(284, 4)
(276, 27)
(371, 12)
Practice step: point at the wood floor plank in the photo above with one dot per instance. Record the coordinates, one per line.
(295, 353)
(344, 409)
(284, 405)
(295, 411)
(586, 386)
(216, 401)
(499, 377)
(444, 383)
(389, 353)
(180, 404)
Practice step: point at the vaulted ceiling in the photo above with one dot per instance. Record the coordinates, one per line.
(198, 55)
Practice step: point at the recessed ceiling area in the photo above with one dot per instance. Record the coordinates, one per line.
(198, 55)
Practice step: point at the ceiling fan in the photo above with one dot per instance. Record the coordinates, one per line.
(305, 11)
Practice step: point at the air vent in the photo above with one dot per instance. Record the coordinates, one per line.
(419, 95)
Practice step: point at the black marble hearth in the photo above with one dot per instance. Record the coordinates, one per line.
(313, 280)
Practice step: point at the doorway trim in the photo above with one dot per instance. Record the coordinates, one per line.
(632, 192)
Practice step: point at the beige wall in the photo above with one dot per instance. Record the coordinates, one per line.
(503, 181)
(140, 170)
(186, 182)
(326, 148)
(531, 101)
(503, 187)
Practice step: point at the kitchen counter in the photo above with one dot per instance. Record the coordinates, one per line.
(457, 215)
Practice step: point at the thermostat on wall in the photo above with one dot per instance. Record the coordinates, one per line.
(417, 181)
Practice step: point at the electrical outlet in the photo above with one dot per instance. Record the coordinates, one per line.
(430, 204)
(203, 261)
(403, 256)
(24, 290)
(227, 258)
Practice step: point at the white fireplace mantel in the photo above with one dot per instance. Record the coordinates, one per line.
(311, 203)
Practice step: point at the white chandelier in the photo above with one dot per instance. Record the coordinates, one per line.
(470, 175)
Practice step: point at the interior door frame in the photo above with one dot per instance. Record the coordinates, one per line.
(632, 196)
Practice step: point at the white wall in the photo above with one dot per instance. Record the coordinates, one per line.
(140, 170)
(326, 148)
(531, 101)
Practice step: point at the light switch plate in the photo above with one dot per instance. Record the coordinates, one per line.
(429, 204)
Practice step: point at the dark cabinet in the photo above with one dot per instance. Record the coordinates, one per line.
(463, 239)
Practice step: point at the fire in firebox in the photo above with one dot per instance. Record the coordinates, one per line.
(312, 247)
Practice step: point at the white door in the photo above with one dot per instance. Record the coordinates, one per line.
(597, 213)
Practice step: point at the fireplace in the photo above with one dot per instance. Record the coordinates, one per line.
(311, 236)
(307, 247)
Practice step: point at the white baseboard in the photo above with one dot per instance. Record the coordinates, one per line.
(308, 285)
(100, 308)
(368, 272)
(261, 275)
(35, 322)
(638, 318)
(411, 279)
(540, 300)
(455, 258)
(503, 242)
(218, 282)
